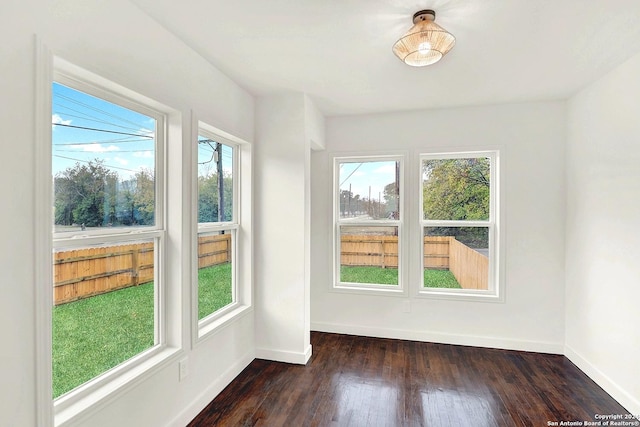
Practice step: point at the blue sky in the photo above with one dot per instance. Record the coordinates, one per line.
(362, 175)
(123, 139)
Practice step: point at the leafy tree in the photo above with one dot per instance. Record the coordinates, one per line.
(391, 199)
(208, 197)
(457, 189)
(144, 197)
(125, 211)
(93, 195)
(83, 192)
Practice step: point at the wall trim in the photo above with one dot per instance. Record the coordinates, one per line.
(441, 338)
(216, 387)
(631, 404)
(285, 356)
(42, 202)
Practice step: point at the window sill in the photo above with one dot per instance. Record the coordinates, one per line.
(81, 403)
(460, 295)
(209, 328)
(395, 291)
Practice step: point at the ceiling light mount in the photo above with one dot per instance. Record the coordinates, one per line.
(425, 43)
(424, 15)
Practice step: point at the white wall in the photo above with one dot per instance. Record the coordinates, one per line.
(531, 139)
(116, 40)
(603, 242)
(281, 186)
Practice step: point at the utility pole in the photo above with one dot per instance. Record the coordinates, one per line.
(220, 182)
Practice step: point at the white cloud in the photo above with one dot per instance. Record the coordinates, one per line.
(94, 148)
(389, 168)
(121, 161)
(57, 120)
(143, 154)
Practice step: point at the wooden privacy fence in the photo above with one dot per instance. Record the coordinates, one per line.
(470, 268)
(86, 272)
(380, 251)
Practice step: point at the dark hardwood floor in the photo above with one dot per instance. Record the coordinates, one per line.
(360, 381)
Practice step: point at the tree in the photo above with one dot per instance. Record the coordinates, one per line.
(85, 194)
(391, 200)
(457, 189)
(93, 195)
(144, 198)
(208, 197)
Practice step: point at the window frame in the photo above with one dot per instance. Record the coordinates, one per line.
(116, 96)
(167, 341)
(209, 322)
(401, 289)
(239, 226)
(495, 292)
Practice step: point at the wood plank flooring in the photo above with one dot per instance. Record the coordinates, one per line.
(360, 381)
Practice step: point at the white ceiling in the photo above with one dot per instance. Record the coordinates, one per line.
(339, 51)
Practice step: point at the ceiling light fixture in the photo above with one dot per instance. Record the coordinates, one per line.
(425, 43)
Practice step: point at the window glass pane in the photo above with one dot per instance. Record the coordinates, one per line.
(215, 273)
(215, 160)
(103, 309)
(456, 189)
(103, 163)
(369, 190)
(456, 257)
(369, 254)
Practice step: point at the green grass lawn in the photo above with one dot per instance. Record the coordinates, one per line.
(95, 334)
(440, 279)
(377, 275)
(389, 276)
(214, 289)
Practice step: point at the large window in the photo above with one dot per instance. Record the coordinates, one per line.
(368, 213)
(458, 221)
(453, 251)
(108, 233)
(218, 225)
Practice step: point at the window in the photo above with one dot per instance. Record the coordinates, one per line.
(368, 217)
(218, 225)
(458, 221)
(454, 253)
(108, 235)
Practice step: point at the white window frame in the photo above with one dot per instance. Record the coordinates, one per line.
(495, 292)
(401, 289)
(167, 340)
(240, 229)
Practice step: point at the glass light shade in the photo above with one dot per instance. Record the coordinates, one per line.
(425, 43)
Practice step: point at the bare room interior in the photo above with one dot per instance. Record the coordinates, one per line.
(469, 198)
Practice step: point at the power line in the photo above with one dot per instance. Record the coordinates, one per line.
(102, 130)
(115, 151)
(105, 141)
(98, 110)
(354, 171)
(114, 141)
(90, 118)
(89, 161)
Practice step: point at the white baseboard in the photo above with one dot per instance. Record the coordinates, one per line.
(284, 356)
(190, 412)
(442, 338)
(630, 403)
